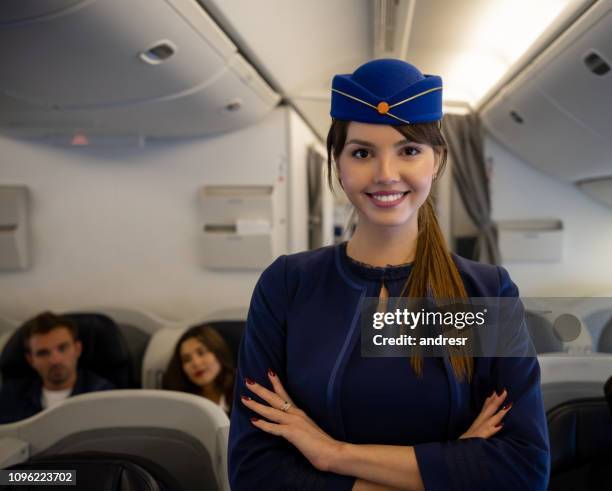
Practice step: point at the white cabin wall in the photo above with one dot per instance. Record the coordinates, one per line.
(119, 226)
(519, 191)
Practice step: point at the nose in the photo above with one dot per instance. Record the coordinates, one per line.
(386, 171)
(55, 358)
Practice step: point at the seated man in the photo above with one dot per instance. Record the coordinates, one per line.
(52, 350)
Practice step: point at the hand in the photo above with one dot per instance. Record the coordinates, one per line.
(488, 421)
(294, 425)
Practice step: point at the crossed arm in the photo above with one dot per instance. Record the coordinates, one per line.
(376, 467)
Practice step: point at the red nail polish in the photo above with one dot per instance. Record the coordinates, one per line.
(253, 419)
(507, 406)
(271, 373)
(246, 398)
(500, 425)
(249, 381)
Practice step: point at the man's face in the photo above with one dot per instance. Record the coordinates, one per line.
(54, 356)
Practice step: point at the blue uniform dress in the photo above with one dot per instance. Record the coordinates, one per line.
(304, 323)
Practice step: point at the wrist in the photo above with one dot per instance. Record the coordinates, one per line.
(339, 457)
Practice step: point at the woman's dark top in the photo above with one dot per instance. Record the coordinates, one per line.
(304, 323)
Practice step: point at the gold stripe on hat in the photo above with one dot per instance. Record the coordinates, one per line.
(399, 119)
(415, 96)
(355, 98)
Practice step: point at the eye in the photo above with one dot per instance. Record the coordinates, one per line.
(410, 151)
(360, 153)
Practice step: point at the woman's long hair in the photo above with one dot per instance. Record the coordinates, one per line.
(434, 271)
(175, 377)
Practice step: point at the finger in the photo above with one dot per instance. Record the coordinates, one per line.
(278, 387)
(272, 428)
(491, 406)
(267, 395)
(497, 418)
(282, 393)
(491, 430)
(266, 411)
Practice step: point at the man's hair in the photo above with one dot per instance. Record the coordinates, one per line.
(46, 322)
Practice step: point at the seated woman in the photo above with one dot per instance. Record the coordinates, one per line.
(202, 364)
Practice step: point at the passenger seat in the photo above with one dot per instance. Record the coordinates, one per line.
(184, 434)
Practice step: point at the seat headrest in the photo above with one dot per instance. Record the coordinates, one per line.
(542, 334)
(105, 351)
(231, 331)
(605, 339)
(579, 431)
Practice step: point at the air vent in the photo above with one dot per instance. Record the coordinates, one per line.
(159, 53)
(516, 117)
(233, 105)
(596, 63)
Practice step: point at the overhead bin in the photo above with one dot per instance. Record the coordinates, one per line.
(23, 10)
(556, 113)
(159, 67)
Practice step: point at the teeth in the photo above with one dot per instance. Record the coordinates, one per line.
(388, 197)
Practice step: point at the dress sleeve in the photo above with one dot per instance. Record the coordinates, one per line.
(258, 460)
(517, 457)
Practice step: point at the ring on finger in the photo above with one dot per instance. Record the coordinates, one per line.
(285, 407)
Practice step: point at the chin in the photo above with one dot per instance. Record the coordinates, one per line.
(387, 221)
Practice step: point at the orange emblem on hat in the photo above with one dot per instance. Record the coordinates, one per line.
(382, 107)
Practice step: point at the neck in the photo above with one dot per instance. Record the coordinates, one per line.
(211, 392)
(381, 246)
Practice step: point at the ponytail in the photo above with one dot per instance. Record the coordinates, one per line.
(434, 272)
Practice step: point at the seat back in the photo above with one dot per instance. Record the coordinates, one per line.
(137, 341)
(580, 434)
(605, 339)
(100, 471)
(567, 377)
(542, 334)
(185, 434)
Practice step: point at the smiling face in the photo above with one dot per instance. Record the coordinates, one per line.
(199, 363)
(384, 175)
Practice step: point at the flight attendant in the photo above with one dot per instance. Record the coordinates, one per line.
(311, 413)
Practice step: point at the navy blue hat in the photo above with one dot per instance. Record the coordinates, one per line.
(387, 91)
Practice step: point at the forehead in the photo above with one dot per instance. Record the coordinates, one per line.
(379, 134)
(55, 337)
(190, 345)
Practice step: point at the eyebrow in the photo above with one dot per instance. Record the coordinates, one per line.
(369, 144)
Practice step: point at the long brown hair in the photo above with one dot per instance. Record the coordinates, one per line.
(175, 377)
(434, 271)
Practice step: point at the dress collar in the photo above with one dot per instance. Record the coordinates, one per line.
(369, 272)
